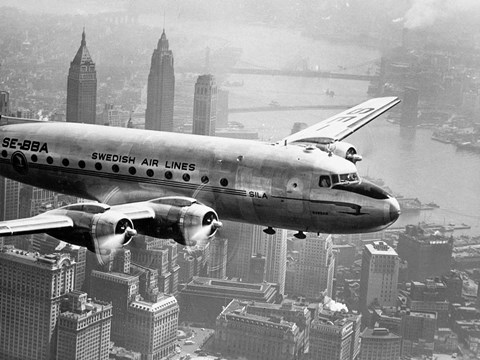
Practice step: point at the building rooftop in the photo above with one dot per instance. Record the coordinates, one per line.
(164, 302)
(379, 333)
(115, 276)
(91, 308)
(426, 315)
(50, 261)
(238, 311)
(380, 248)
(204, 282)
(425, 235)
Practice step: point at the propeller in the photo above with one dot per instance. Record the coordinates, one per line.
(109, 244)
(210, 224)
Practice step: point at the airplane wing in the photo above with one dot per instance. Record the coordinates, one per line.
(101, 227)
(338, 127)
(35, 224)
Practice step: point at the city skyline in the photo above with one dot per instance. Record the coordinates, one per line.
(417, 305)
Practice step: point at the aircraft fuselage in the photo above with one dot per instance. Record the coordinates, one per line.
(246, 181)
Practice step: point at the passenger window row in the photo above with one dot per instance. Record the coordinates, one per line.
(115, 168)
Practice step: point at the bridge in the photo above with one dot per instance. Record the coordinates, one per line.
(288, 108)
(305, 73)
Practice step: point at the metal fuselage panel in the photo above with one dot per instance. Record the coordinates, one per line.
(248, 181)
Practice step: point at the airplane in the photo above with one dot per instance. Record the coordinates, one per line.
(178, 186)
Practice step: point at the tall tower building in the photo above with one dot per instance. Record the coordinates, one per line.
(161, 88)
(153, 327)
(156, 254)
(428, 254)
(31, 290)
(84, 328)
(239, 250)
(276, 256)
(82, 87)
(79, 253)
(205, 106)
(379, 275)
(4, 103)
(315, 267)
(119, 289)
(257, 269)
(10, 194)
(217, 265)
(143, 319)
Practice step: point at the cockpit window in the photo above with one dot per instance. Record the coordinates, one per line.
(363, 188)
(344, 178)
(348, 177)
(324, 181)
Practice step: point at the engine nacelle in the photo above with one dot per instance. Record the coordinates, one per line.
(96, 227)
(344, 150)
(182, 219)
(112, 224)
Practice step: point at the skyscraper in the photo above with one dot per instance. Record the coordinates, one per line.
(428, 254)
(161, 88)
(119, 289)
(144, 319)
(257, 269)
(239, 249)
(314, 270)
(153, 327)
(83, 328)
(205, 106)
(4, 103)
(217, 264)
(10, 196)
(379, 275)
(31, 290)
(276, 256)
(156, 254)
(82, 87)
(79, 254)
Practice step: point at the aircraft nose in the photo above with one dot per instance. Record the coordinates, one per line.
(394, 210)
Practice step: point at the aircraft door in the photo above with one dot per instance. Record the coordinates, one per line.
(296, 188)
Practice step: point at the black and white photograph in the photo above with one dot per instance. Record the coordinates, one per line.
(239, 180)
